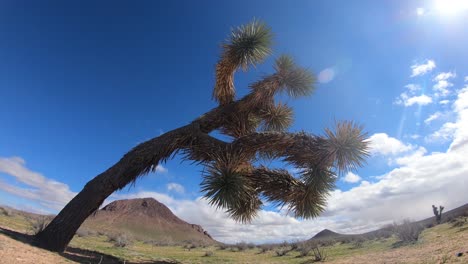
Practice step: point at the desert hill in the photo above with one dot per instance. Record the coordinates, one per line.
(385, 231)
(145, 219)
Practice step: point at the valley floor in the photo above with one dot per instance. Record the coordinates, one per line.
(439, 244)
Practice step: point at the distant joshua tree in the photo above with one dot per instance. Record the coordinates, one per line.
(438, 213)
(234, 177)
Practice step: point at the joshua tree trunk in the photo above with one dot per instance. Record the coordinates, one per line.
(143, 158)
(60, 231)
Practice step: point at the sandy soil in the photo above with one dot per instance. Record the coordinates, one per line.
(13, 251)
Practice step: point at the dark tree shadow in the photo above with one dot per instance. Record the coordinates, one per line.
(77, 254)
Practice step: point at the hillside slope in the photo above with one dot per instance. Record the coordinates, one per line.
(145, 219)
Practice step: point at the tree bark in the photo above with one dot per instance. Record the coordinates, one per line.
(140, 160)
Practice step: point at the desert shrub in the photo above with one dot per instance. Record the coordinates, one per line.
(223, 246)
(120, 240)
(358, 243)
(327, 242)
(190, 246)
(282, 251)
(266, 247)
(84, 232)
(208, 254)
(251, 245)
(304, 250)
(459, 222)
(408, 232)
(242, 246)
(319, 254)
(39, 224)
(6, 211)
(162, 242)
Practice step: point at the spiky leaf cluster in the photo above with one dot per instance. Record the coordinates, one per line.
(230, 181)
(248, 45)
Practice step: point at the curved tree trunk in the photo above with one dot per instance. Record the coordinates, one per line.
(60, 231)
(140, 160)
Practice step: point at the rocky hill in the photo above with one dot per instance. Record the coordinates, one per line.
(145, 219)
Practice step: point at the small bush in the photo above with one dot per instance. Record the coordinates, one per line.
(282, 251)
(190, 246)
(266, 247)
(459, 222)
(208, 254)
(163, 242)
(119, 240)
(408, 232)
(304, 250)
(242, 246)
(6, 211)
(39, 224)
(84, 232)
(223, 246)
(319, 254)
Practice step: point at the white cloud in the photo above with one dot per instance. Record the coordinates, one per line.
(381, 143)
(419, 100)
(442, 83)
(406, 100)
(441, 88)
(352, 178)
(175, 187)
(444, 76)
(432, 117)
(421, 69)
(415, 136)
(466, 78)
(413, 87)
(161, 169)
(444, 134)
(49, 193)
(444, 102)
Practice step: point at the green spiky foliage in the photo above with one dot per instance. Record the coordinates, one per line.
(247, 46)
(231, 181)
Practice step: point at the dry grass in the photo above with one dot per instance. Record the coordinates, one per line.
(439, 244)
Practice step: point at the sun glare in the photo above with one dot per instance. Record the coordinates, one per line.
(451, 7)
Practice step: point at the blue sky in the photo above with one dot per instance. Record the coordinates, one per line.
(82, 83)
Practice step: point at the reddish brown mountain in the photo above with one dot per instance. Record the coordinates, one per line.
(145, 219)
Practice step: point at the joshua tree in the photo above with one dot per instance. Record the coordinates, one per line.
(438, 213)
(234, 178)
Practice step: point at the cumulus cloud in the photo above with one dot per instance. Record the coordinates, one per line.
(444, 102)
(406, 100)
(413, 88)
(49, 193)
(442, 83)
(352, 178)
(381, 143)
(444, 76)
(421, 69)
(419, 100)
(175, 187)
(432, 117)
(444, 134)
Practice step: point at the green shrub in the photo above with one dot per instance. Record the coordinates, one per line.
(39, 224)
(120, 240)
(408, 232)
